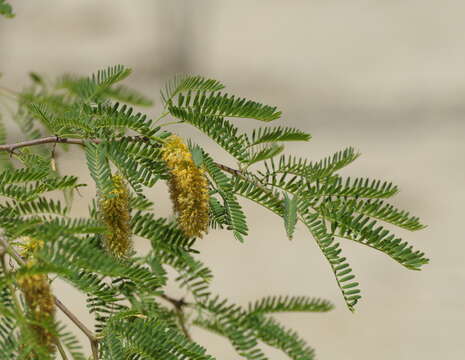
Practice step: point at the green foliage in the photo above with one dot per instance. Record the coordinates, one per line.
(225, 105)
(290, 214)
(235, 218)
(134, 317)
(182, 83)
(6, 9)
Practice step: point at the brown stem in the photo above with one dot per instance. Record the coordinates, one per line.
(182, 322)
(230, 170)
(58, 139)
(90, 335)
(178, 305)
(45, 140)
(244, 175)
(61, 350)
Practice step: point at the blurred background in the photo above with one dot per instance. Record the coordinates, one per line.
(384, 76)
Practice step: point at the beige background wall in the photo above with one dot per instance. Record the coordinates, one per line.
(384, 76)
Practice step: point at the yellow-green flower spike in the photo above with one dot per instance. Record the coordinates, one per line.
(188, 187)
(41, 305)
(29, 246)
(115, 213)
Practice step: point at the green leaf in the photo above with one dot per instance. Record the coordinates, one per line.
(6, 9)
(272, 333)
(161, 233)
(193, 274)
(224, 105)
(197, 154)
(236, 217)
(99, 168)
(150, 336)
(274, 134)
(218, 129)
(127, 95)
(312, 171)
(365, 231)
(230, 320)
(187, 82)
(264, 154)
(122, 117)
(274, 304)
(95, 86)
(331, 250)
(290, 214)
(252, 190)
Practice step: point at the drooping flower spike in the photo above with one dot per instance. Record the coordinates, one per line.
(115, 213)
(188, 187)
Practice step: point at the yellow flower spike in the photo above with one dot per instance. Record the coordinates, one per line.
(40, 302)
(188, 187)
(115, 213)
(30, 245)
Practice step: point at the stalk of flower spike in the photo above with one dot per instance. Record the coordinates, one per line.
(188, 187)
(115, 213)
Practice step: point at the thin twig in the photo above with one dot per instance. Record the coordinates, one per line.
(171, 123)
(45, 140)
(90, 335)
(244, 175)
(61, 350)
(182, 322)
(58, 139)
(230, 170)
(62, 140)
(179, 305)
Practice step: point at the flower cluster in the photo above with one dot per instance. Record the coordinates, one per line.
(188, 187)
(29, 246)
(41, 308)
(115, 213)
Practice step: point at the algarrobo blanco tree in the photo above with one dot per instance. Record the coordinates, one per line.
(127, 152)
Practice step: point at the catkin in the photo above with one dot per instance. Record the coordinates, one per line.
(115, 213)
(188, 187)
(41, 308)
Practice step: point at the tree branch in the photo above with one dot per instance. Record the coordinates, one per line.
(46, 140)
(61, 140)
(57, 139)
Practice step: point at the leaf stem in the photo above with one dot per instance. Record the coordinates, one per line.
(161, 116)
(171, 123)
